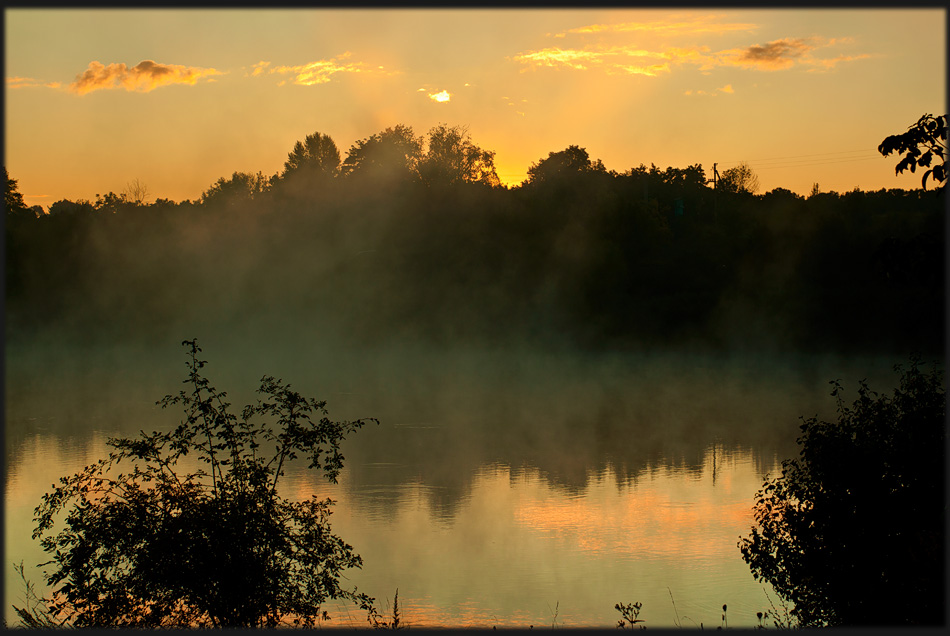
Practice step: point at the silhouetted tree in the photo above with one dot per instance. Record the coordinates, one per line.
(393, 154)
(111, 203)
(316, 156)
(572, 160)
(135, 193)
(739, 179)
(452, 158)
(781, 194)
(220, 547)
(923, 143)
(65, 207)
(12, 199)
(242, 186)
(852, 532)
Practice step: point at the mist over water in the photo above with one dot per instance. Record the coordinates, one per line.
(579, 389)
(498, 480)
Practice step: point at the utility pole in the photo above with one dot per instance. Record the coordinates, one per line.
(715, 181)
(715, 176)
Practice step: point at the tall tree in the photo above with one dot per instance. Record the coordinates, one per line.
(12, 199)
(136, 193)
(739, 179)
(392, 154)
(452, 158)
(317, 155)
(573, 160)
(242, 186)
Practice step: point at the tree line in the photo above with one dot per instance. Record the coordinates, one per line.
(415, 236)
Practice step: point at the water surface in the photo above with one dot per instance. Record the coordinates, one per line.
(501, 488)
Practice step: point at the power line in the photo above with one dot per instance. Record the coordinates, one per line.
(817, 154)
(815, 163)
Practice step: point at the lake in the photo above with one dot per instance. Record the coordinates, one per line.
(503, 487)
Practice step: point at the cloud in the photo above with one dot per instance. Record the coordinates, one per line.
(774, 56)
(29, 82)
(651, 71)
(699, 24)
(828, 64)
(259, 68)
(442, 97)
(319, 72)
(143, 77)
(778, 54)
(616, 59)
(724, 89)
(555, 56)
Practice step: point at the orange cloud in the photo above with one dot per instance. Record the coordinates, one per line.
(444, 96)
(319, 72)
(554, 57)
(828, 64)
(650, 71)
(724, 89)
(776, 55)
(701, 24)
(144, 77)
(29, 82)
(259, 68)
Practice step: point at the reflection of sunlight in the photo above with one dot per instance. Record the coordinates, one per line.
(518, 544)
(656, 516)
(515, 547)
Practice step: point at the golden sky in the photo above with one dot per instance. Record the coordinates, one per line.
(175, 98)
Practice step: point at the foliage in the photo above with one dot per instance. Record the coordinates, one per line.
(394, 153)
(66, 207)
(453, 158)
(112, 203)
(317, 155)
(629, 614)
(378, 622)
(35, 612)
(241, 187)
(647, 257)
(739, 179)
(556, 166)
(923, 143)
(12, 199)
(856, 524)
(157, 547)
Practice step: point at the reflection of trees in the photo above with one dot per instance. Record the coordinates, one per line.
(572, 426)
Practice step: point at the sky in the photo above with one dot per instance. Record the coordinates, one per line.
(96, 99)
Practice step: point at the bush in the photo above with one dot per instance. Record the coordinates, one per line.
(219, 547)
(852, 532)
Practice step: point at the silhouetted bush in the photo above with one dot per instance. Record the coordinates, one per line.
(157, 547)
(852, 532)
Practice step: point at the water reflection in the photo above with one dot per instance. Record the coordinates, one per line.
(500, 488)
(518, 548)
